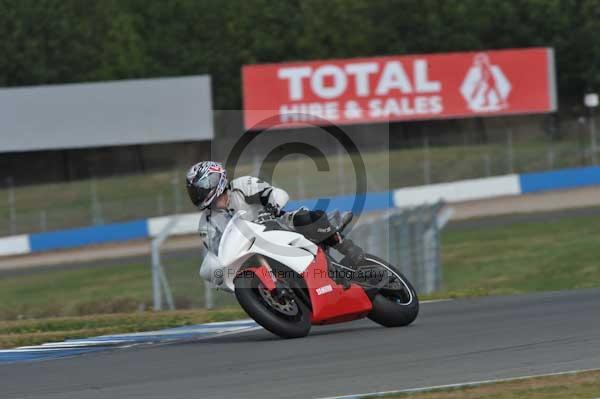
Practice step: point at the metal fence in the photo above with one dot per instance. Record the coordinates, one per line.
(176, 283)
(30, 209)
(409, 239)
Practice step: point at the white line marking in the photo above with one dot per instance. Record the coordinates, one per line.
(69, 345)
(232, 332)
(27, 350)
(217, 329)
(457, 385)
(437, 300)
(202, 338)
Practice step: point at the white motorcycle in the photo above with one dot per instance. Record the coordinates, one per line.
(287, 283)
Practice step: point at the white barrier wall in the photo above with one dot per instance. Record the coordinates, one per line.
(15, 245)
(187, 224)
(464, 190)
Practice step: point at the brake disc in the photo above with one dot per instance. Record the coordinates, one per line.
(286, 306)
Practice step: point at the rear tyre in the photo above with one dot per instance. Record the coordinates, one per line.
(396, 304)
(289, 318)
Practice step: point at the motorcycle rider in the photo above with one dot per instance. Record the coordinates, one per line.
(218, 198)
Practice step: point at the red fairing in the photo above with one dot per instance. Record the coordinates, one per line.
(263, 274)
(330, 302)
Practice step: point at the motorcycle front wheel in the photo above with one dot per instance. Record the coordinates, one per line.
(285, 317)
(396, 304)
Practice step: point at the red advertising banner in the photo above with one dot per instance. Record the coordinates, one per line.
(399, 88)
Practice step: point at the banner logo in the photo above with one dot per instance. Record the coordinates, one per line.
(485, 87)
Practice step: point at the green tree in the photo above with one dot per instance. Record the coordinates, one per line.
(61, 41)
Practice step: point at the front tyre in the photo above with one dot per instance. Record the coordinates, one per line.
(287, 318)
(396, 304)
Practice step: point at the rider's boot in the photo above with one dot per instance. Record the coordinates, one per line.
(353, 254)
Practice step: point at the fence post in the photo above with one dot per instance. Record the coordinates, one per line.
(442, 217)
(487, 164)
(156, 288)
(400, 243)
(159, 279)
(418, 245)
(371, 239)
(176, 192)
(426, 161)
(96, 206)
(43, 220)
(509, 151)
(551, 157)
(593, 144)
(387, 237)
(301, 190)
(209, 301)
(12, 210)
(256, 164)
(160, 205)
(435, 252)
(340, 171)
(405, 248)
(428, 261)
(439, 218)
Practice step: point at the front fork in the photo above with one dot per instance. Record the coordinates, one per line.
(279, 289)
(263, 271)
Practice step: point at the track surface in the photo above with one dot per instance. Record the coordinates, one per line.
(451, 342)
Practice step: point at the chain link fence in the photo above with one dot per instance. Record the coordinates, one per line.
(48, 207)
(409, 239)
(186, 288)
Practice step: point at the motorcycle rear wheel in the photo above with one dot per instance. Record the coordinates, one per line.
(289, 318)
(393, 307)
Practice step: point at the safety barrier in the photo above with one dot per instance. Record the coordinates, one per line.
(498, 186)
(463, 190)
(149, 228)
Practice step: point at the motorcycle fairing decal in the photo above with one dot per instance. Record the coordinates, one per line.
(339, 304)
(324, 290)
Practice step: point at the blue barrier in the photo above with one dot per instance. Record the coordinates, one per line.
(559, 179)
(370, 202)
(88, 235)
(528, 182)
(139, 228)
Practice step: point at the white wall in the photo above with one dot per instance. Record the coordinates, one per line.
(14, 245)
(458, 191)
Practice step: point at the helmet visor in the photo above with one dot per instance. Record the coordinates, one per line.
(202, 189)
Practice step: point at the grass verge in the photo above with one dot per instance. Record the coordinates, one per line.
(585, 385)
(555, 254)
(33, 332)
(102, 287)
